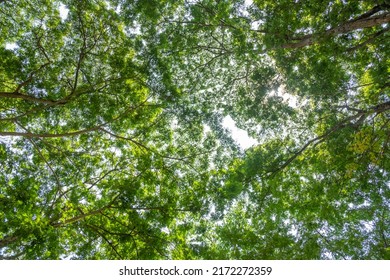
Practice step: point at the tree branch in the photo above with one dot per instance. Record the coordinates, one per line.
(83, 216)
(349, 26)
(360, 117)
(13, 257)
(30, 77)
(329, 244)
(369, 40)
(18, 95)
(97, 230)
(50, 135)
(8, 240)
(373, 11)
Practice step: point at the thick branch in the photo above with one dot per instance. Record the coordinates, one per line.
(373, 11)
(17, 95)
(349, 26)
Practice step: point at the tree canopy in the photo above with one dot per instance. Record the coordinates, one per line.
(112, 143)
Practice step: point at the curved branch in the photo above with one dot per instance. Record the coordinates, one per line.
(359, 117)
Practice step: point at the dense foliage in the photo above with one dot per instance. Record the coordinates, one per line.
(112, 144)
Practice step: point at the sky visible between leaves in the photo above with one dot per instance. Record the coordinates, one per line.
(314, 179)
(239, 135)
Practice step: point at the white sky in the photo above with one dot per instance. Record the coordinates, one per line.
(239, 135)
(63, 12)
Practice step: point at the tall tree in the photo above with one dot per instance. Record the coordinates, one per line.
(330, 144)
(95, 162)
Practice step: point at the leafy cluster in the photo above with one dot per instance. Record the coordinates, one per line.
(112, 143)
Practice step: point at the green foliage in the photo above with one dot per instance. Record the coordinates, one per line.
(112, 144)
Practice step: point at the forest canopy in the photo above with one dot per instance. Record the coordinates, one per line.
(112, 143)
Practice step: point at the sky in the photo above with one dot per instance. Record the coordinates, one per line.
(239, 135)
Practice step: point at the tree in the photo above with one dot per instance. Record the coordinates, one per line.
(112, 143)
(95, 162)
(332, 58)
